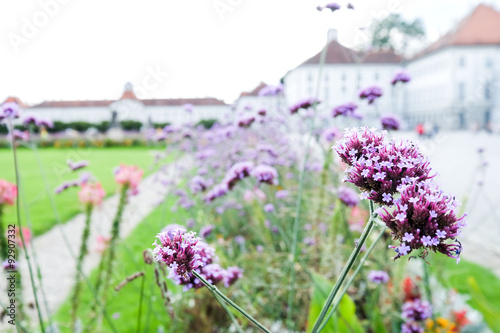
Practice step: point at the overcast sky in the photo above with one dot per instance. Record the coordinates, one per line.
(90, 49)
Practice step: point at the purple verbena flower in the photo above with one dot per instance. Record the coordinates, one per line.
(9, 110)
(416, 310)
(402, 77)
(237, 172)
(77, 165)
(206, 230)
(378, 168)
(188, 107)
(346, 110)
(217, 191)
(282, 194)
(199, 184)
(304, 104)
(179, 252)
(265, 174)
(269, 207)
(348, 196)
(371, 94)
(411, 327)
(390, 122)
(231, 275)
(378, 277)
(65, 185)
(430, 220)
(246, 121)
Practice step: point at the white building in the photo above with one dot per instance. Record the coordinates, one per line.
(455, 81)
(129, 107)
(343, 75)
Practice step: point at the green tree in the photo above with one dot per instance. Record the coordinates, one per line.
(394, 33)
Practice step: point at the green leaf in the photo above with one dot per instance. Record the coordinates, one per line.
(344, 320)
(490, 313)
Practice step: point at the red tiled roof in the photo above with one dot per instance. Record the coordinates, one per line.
(481, 27)
(338, 54)
(72, 104)
(128, 94)
(181, 101)
(147, 102)
(12, 99)
(255, 91)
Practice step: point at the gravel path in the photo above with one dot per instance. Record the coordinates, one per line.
(56, 260)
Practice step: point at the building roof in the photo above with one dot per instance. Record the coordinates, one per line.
(481, 27)
(255, 91)
(13, 99)
(338, 54)
(148, 102)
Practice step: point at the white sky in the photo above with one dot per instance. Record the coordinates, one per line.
(88, 49)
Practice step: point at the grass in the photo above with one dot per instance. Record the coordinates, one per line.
(123, 306)
(102, 161)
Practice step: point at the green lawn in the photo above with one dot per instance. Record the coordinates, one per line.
(102, 162)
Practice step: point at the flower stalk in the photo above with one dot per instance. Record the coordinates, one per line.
(351, 280)
(217, 292)
(79, 263)
(345, 270)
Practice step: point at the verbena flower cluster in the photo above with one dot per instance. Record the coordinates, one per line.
(378, 277)
(304, 104)
(346, 110)
(9, 111)
(395, 174)
(183, 253)
(402, 77)
(348, 196)
(38, 122)
(371, 94)
(390, 122)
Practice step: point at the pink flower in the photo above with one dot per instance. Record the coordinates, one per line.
(8, 192)
(91, 193)
(102, 243)
(26, 236)
(129, 175)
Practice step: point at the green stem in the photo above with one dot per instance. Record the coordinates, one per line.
(79, 263)
(115, 235)
(345, 270)
(351, 280)
(216, 291)
(139, 314)
(428, 286)
(3, 238)
(223, 304)
(291, 295)
(18, 214)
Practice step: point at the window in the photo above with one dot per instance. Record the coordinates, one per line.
(461, 62)
(461, 91)
(343, 76)
(309, 77)
(376, 76)
(488, 63)
(326, 77)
